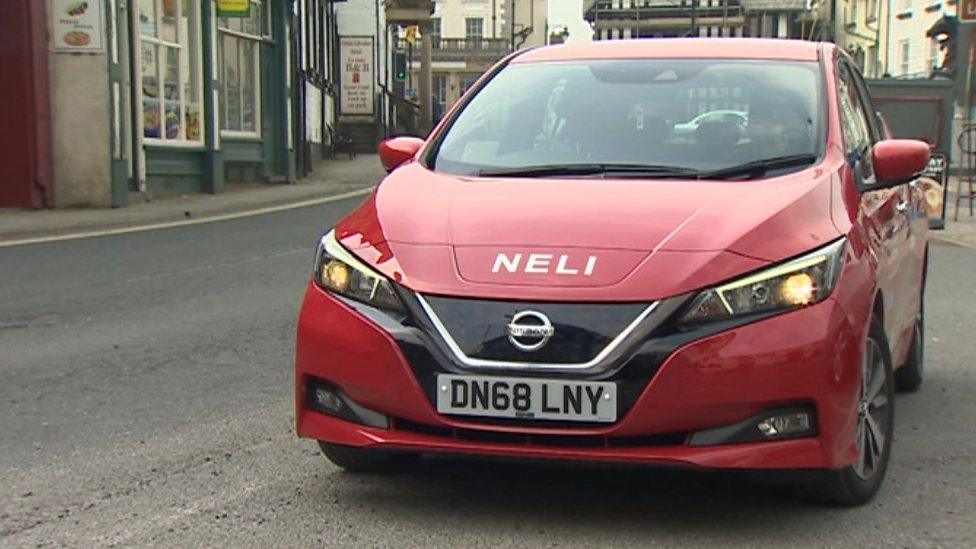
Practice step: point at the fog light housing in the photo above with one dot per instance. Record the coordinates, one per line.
(782, 425)
(328, 399)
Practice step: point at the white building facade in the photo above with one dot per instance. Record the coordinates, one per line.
(911, 54)
(469, 36)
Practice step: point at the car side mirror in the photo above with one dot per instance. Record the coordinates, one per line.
(897, 161)
(397, 150)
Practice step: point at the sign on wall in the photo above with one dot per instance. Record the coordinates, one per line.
(935, 187)
(234, 8)
(77, 25)
(967, 11)
(356, 85)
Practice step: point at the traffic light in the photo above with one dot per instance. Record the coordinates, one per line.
(400, 66)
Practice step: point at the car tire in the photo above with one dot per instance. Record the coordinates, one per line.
(909, 377)
(366, 460)
(857, 483)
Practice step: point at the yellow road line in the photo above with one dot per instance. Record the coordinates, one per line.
(185, 222)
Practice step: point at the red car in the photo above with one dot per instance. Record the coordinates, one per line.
(554, 273)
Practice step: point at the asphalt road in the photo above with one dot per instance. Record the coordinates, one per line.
(146, 399)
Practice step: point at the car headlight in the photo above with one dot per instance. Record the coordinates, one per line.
(797, 283)
(339, 272)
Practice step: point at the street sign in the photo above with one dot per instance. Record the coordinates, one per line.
(234, 8)
(967, 11)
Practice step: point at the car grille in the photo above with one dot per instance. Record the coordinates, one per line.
(479, 328)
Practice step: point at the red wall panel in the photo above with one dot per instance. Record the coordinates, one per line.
(25, 151)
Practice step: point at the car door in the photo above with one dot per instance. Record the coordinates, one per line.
(910, 229)
(879, 211)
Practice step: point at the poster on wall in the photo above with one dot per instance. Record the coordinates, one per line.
(934, 184)
(356, 85)
(77, 25)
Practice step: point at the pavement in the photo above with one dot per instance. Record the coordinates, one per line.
(146, 396)
(336, 177)
(961, 232)
(961, 229)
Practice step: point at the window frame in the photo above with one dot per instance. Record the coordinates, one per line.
(481, 28)
(861, 164)
(935, 54)
(905, 53)
(439, 89)
(257, 40)
(159, 45)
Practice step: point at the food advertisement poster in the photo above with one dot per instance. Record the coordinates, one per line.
(77, 25)
(934, 184)
(357, 75)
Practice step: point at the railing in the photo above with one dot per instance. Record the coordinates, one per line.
(644, 9)
(404, 116)
(461, 47)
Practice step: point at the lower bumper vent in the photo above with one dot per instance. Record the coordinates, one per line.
(560, 441)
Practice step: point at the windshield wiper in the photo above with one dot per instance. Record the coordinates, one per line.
(642, 170)
(758, 168)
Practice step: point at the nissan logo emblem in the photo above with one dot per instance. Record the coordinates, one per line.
(530, 330)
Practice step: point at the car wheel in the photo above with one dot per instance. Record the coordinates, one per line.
(366, 460)
(908, 378)
(857, 483)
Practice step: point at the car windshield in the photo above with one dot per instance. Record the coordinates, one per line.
(673, 117)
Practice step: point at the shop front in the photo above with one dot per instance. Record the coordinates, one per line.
(210, 89)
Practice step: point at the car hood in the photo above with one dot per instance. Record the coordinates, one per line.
(583, 239)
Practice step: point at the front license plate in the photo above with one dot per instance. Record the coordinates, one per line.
(526, 398)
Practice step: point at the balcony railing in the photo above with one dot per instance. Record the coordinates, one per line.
(460, 48)
(656, 9)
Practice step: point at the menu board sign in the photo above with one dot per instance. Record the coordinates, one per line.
(934, 183)
(77, 25)
(356, 86)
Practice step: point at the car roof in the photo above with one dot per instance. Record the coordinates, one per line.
(677, 48)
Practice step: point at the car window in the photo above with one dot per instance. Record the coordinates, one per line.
(694, 114)
(854, 116)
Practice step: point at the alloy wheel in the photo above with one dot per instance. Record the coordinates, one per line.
(872, 412)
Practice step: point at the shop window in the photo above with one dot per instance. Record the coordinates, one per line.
(440, 95)
(240, 70)
(170, 74)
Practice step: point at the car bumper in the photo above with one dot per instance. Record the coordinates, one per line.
(808, 358)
